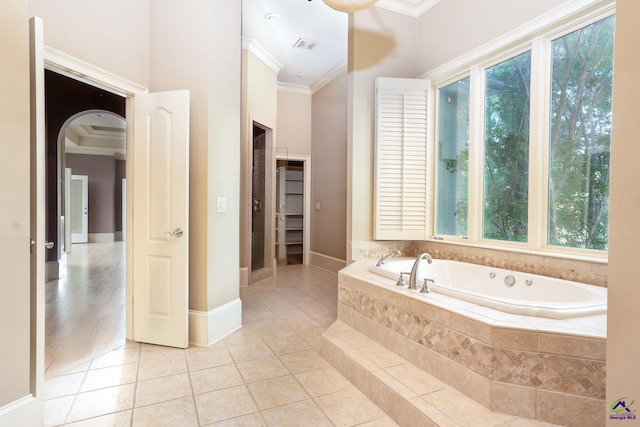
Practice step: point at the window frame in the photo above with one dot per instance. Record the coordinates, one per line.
(536, 38)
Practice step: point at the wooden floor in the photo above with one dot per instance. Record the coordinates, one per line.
(85, 308)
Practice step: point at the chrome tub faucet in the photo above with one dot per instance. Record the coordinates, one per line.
(413, 276)
(384, 257)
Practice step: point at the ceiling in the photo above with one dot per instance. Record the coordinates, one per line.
(97, 132)
(305, 41)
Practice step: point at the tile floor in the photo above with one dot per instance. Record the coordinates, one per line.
(269, 373)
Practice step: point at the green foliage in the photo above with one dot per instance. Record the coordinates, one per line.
(580, 134)
(506, 166)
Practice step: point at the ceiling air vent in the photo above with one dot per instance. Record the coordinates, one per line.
(305, 44)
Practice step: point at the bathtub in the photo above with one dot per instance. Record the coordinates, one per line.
(504, 290)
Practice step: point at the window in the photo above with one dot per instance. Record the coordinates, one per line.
(579, 137)
(522, 156)
(452, 161)
(506, 149)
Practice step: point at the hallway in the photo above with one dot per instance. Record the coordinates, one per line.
(85, 308)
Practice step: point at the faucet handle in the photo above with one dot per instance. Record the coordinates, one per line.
(425, 286)
(401, 278)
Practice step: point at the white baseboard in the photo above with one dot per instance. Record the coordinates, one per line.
(101, 238)
(118, 236)
(207, 328)
(326, 262)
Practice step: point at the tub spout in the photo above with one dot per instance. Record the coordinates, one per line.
(413, 276)
(384, 257)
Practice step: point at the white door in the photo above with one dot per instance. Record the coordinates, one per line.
(79, 221)
(22, 287)
(160, 205)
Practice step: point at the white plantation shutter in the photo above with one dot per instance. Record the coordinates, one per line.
(401, 176)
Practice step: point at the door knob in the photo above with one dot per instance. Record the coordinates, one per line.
(178, 232)
(49, 245)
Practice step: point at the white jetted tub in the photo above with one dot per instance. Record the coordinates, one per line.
(505, 290)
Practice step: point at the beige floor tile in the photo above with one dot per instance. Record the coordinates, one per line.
(463, 410)
(277, 392)
(303, 361)
(323, 381)
(224, 404)
(162, 389)
(279, 330)
(380, 356)
(120, 356)
(102, 402)
(180, 412)
(208, 358)
(262, 369)
(215, 378)
(63, 385)
(380, 422)
(111, 420)
(56, 410)
(416, 379)
(150, 351)
(349, 408)
(250, 420)
(109, 377)
(155, 368)
(290, 344)
(246, 352)
(305, 413)
(246, 335)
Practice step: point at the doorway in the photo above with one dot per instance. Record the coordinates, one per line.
(85, 310)
(262, 207)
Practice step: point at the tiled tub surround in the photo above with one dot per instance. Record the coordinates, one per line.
(545, 369)
(584, 271)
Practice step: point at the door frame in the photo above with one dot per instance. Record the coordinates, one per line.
(74, 68)
(306, 210)
(85, 208)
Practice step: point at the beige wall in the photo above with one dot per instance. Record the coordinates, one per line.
(184, 54)
(467, 24)
(294, 122)
(164, 45)
(112, 35)
(623, 345)
(381, 43)
(259, 104)
(14, 215)
(329, 169)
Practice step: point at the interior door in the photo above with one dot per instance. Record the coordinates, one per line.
(160, 205)
(79, 208)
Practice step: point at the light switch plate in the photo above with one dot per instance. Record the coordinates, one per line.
(221, 204)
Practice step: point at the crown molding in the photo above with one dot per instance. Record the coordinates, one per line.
(413, 8)
(261, 53)
(290, 87)
(334, 72)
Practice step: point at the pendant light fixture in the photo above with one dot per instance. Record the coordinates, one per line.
(350, 5)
